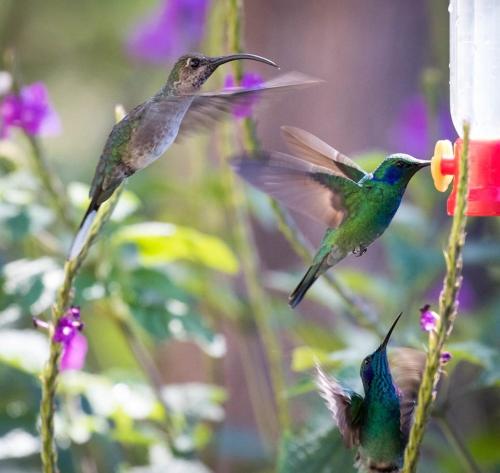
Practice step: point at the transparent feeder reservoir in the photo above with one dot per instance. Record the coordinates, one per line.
(475, 67)
(474, 98)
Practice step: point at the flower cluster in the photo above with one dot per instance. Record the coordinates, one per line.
(29, 110)
(178, 26)
(67, 333)
(250, 80)
(428, 318)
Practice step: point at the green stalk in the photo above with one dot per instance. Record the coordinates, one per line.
(447, 311)
(51, 370)
(457, 443)
(51, 183)
(246, 247)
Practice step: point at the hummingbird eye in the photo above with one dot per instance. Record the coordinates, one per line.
(400, 164)
(194, 63)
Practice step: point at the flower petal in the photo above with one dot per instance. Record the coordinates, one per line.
(74, 353)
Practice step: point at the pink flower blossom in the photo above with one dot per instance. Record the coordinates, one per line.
(74, 344)
(428, 318)
(174, 29)
(30, 110)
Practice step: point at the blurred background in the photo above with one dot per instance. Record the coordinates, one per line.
(190, 339)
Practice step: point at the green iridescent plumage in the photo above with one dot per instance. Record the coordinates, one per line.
(377, 424)
(325, 185)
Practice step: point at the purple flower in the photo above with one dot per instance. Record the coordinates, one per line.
(176, 27)
(250, 80)
(30, 110)
(445, 357)
(413, 132)
(74, 344)
(428, 318)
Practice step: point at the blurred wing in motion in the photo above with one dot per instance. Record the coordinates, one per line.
(316, 151)
(407, 366)
(344, 404)
(303, 186)
(210, 107)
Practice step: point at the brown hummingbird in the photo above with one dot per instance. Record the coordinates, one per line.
(178, 108)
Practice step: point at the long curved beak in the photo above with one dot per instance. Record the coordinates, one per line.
(217, 61)
(389, 333)
(423, 163)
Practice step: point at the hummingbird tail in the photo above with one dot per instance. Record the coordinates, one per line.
(307, 281)
(83, 230)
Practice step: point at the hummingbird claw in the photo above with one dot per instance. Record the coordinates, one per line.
(359, 251)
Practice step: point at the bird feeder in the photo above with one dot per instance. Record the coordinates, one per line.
(475, 98)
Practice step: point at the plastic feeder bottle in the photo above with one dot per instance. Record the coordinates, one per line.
(475, 98)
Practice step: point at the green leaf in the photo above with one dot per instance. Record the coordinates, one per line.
(166, 311)
(26, 350)
(202, 401)
(314, 452)
(304, 358)
(159, 243)
(30, 285)
(17, 444)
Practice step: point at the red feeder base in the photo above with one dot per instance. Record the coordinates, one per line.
(484, 178)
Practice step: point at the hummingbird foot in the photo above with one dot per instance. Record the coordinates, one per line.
(359, 251)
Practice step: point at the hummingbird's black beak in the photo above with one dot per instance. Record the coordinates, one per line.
(389, 333)
(217, 61)
(423, 164)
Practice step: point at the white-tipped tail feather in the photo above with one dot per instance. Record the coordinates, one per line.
(81, 236)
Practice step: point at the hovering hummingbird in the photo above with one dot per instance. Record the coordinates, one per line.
(378, 423)
(327, 186)
(178, 108)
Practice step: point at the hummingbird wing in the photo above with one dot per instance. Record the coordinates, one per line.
(407, 367)
(314, 150)
(208, 108)
(344, 404)
(303, 186)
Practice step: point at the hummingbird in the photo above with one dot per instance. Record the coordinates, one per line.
(323, 184)
(177, 109)
(379, 423)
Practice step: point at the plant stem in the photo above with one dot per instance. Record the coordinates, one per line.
(457, 443)
(51, 183)
(146, 362)
(246, 247)
(447, 311)
(51, 370)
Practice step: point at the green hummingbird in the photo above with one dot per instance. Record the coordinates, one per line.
(178, 108)
(323, 184)
(379, 423)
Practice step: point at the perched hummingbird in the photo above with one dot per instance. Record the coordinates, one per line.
(378, 423)
(148, 130)
(328, 187)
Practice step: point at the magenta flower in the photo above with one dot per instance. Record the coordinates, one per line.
(428, 318)
(413, 132)
(250, 80)
(30, 110)
(175, 28)
(74, 344)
